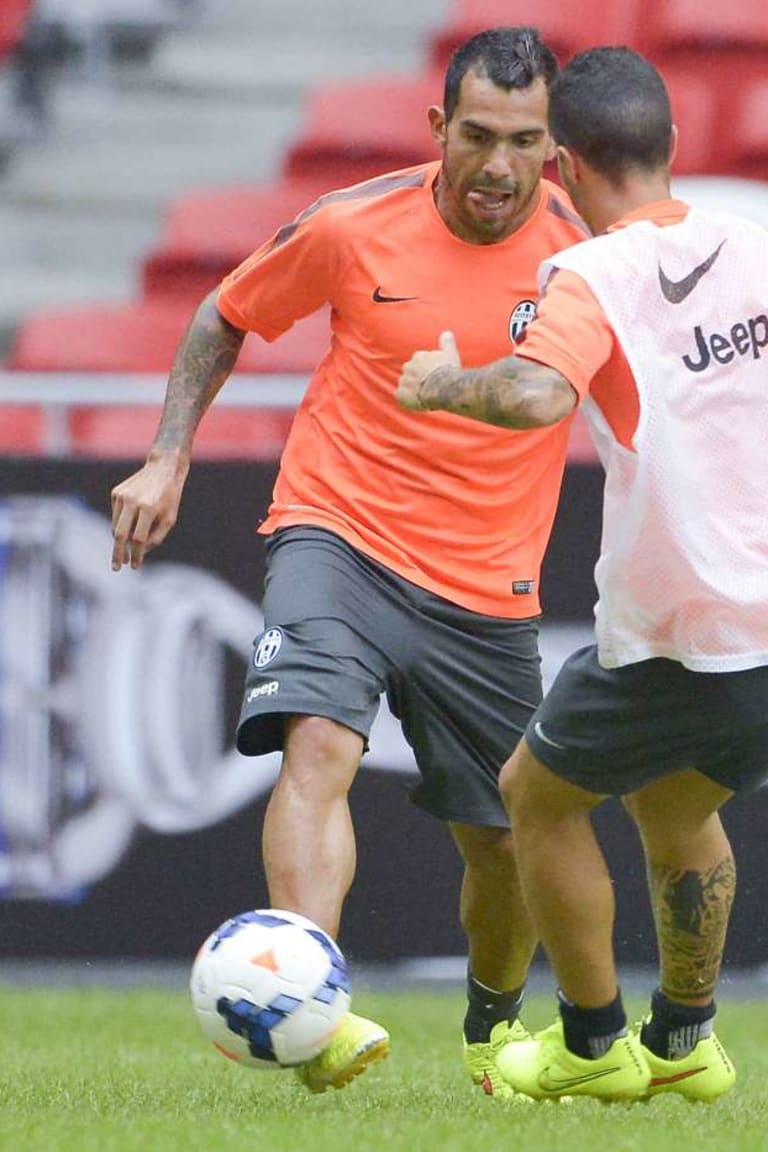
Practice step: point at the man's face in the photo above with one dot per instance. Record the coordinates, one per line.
(494, 148)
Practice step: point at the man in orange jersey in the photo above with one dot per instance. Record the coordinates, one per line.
(402, 557)
(660, 328)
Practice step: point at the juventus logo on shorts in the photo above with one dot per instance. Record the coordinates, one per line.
(267, 648)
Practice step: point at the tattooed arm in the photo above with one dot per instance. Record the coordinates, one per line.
(146, 505)
(511, 392)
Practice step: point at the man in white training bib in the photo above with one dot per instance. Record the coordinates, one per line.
(658, 327)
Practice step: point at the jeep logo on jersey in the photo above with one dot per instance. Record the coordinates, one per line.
(521, 318)
(267, 648)
(747, 338)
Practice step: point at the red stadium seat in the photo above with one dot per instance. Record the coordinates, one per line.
(224, 434)
(690, 24)
(209, 233)
(22, 430)
(748, 140)
(694, 111)
(581, 448)
(727, 44)
(356, 130)
(13, 20)
(144, 337)
(566, 28)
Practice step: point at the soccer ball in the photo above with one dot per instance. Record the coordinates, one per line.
(269, 988)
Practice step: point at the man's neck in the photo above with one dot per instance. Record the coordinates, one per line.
(614, 202)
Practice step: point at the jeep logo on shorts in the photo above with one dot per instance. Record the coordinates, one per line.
(271, 688)
(521, 318)
(267, 648)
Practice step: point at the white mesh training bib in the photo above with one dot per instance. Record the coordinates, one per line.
(683, 569)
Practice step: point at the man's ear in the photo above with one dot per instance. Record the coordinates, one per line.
(674, 138)
(551, 149)
(437, 124)
(567, 165)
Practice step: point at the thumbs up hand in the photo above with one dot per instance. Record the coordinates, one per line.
(411, 392)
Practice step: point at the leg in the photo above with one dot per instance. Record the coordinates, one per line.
(309, 859)
(501, 944)
(564, 877)
(308, 839)
(691, 877)
(570, 900)
(500, 935)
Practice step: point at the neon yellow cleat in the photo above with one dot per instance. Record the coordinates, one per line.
(480, 1059)
(357, 1044)
(544, 1069)
(704, 1074)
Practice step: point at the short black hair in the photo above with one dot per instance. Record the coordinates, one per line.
(611, 106)
(508, 57)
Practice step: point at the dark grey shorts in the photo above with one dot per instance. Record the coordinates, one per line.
(340, 630)
(612, 730)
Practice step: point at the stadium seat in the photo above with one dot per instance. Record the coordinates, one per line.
(566, 28)
(694, 111)
(124, 431)
(22, 430)
(208, 233)
(691, 25)
(144, 337)
(748, 139)
(356, 130)
(581, 448)
(725, 44)
(13, 21)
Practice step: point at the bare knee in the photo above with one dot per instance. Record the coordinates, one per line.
(679, 806)
(484, 848)
(319, 754)
(536, 797)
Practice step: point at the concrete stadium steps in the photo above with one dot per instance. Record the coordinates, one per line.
(217, 102)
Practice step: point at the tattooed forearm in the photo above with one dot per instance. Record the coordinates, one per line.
(205, 358)
(511, 393)
(691, 911)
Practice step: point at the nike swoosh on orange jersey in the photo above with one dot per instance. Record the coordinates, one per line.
(378, 298)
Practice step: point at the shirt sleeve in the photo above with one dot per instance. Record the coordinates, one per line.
(571, 333)
(284, 280)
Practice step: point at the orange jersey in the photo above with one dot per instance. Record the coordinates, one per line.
(458, 507)
(572, 334)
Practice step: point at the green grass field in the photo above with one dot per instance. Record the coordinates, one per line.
(128, 1071)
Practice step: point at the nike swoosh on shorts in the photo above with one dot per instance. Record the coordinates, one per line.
(546, 739)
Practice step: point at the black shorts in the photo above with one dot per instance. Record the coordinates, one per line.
(340, 630)
(613, 730)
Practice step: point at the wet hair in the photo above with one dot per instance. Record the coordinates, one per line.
(611, 106)
(508, 57)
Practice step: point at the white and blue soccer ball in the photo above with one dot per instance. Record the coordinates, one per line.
(270, 988)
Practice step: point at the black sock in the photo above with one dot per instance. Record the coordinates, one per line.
(486, 1008)
(674, 1030)
(589, 1032)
